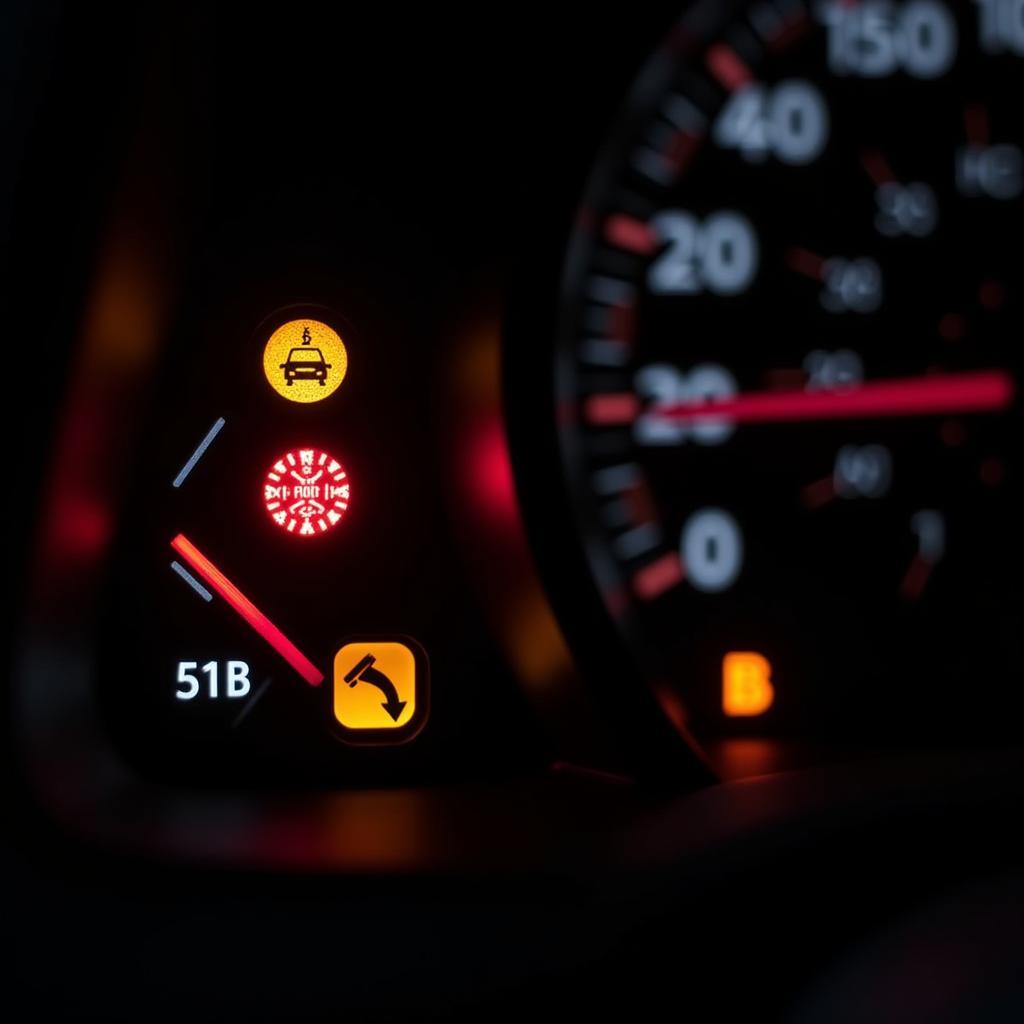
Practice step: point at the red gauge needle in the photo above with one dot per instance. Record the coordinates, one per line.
(946, 394)
(241, 604)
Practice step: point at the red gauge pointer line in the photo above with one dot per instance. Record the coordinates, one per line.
(218, 582)
(988, 391)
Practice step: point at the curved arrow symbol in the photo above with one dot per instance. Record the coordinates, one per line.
(366, 673)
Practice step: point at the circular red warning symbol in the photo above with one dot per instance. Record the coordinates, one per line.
(306, 492)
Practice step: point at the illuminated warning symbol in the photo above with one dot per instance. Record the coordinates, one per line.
(306, 492)
(380, 690)
(305, 360)
(746, 684)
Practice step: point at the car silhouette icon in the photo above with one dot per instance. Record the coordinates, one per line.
(305, 364)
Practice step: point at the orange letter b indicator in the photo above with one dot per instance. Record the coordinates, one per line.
(746, 684)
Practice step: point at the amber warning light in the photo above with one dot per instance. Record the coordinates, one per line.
(306, 492)
(305, 361)
(746, 684)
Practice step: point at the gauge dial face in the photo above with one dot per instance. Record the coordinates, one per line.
(789, 366)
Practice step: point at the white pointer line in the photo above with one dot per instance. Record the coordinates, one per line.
(199, 452)
(251, 702)
(191, 581)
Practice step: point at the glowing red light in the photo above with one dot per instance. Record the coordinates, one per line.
(306, 492)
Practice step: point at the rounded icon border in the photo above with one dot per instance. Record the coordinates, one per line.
(292, 328)
(336, 494)
(384, 737)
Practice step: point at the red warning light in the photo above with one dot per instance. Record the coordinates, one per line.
(306, 492)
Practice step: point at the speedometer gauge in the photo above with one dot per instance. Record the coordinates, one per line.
(788, 369)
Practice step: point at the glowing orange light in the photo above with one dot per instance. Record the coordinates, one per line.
(746, 684)
(380, 690)
(305, 361)
(306, 492)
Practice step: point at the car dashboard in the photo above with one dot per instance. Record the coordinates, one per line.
(515, 510)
